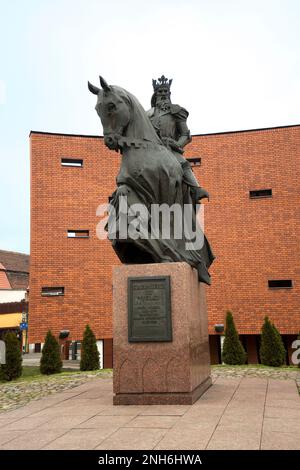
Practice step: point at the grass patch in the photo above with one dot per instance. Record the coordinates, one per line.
(31, 373)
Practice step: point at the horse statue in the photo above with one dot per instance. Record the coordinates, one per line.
(149, 176)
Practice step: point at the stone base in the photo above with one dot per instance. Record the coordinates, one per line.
(188, 398)
(162, 372)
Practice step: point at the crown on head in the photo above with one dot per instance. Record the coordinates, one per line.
(162, 81)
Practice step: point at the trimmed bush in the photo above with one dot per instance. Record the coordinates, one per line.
(233, 352)
(89, 351)
(272, 351)
(12, 369)
(51, 362)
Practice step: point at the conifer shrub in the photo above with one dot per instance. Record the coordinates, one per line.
(89, 351)
(51, 362)
(272, 351)
(233, 352)
(12, 369)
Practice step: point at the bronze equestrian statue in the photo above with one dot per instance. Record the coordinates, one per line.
(151, 174)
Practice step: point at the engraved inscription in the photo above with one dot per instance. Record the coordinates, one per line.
(149, 316)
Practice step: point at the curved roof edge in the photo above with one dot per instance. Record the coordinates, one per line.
(66, 135)
(194, 135)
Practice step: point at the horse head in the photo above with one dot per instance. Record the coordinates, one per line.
(113, 111)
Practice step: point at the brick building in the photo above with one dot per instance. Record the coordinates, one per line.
(252, 222)
(14, 270)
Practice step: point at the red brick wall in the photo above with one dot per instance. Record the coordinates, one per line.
(254, 240)
(67, 198)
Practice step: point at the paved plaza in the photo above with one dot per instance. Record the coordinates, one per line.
(235, 413)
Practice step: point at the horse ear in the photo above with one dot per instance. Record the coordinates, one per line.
(93, 89)
(104, 84)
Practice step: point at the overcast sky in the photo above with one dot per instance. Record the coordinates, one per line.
(235, 65)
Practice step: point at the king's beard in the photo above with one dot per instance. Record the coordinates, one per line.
(163, 105)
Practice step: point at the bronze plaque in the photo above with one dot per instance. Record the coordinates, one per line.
(149, 309)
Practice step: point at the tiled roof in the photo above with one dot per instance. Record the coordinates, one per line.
(4, 282)
(13, 261)
(16, 267)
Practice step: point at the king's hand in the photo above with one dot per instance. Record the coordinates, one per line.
(172, 144)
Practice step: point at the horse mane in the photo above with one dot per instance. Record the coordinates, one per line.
(139, 126)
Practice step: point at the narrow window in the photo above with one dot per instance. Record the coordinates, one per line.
(194, 161)
(260, 193)
(72, 162)
(280, 284)
(78, 233)
(53, 291)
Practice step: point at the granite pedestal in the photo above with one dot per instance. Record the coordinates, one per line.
(162, 372)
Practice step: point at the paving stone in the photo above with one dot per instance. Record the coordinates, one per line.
(285, 385)
(27, 423)
(50, 412)
(176, 410)
(64, 422)
(121, 410)
(252, 420)
(282, 403)
(278, 412)
(287, 397)
(280, 441)
(214, 408)
(76, 439)
(5, 422)
(200, 417)
(286, 425)
(92, 394)
(34, 440)
(130, 439)
(238, 407)
(187, 437)
(100, 421)
(75, 401)
(237, 426)
(6, 436)
(231, 438)
(153, 422)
